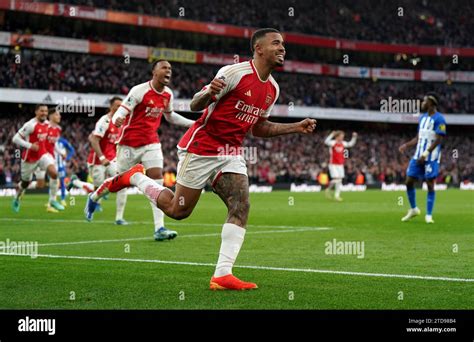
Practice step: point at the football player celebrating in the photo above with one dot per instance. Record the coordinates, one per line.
(32, 137)
(239, 99)
(337, 146)
(140, 115)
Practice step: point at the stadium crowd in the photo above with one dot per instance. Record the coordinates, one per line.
(295, 158)
(88, 73)
(401, 21)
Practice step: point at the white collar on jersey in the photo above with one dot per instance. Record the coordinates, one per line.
(256, 71)
(156, 91)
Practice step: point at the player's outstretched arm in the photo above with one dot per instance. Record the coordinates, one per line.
(267, 129)
(179, 120)
(408, 144)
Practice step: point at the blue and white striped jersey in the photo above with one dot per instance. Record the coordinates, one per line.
(428, 127)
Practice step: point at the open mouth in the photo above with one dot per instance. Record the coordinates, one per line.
(167, 78)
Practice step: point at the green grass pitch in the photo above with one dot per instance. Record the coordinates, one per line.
(283, 252)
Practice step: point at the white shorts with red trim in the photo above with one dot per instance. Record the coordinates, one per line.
(150, 156)
(38, 167)
(336, 170)
(100, 172)
(194, 171)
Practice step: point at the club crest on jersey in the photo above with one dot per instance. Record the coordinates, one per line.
(268, 99)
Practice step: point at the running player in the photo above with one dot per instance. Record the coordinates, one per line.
(337, 146)
(140, 114)
(425, 162)
(32, 137)
(102, 156)
(239, 99)
(54, 133)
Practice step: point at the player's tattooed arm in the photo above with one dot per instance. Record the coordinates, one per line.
(408, 144)
(233, 189)
(206, 96)
(267, 129)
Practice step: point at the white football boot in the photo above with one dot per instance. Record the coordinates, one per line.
(429, 219)
(412, 212)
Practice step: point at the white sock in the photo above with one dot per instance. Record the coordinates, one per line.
(331, 184)
(53, 189)
(148, 186)
(158, 215)
(120, 202)
(88, 187)
(232, 239)
(338, 188)
(32, 185)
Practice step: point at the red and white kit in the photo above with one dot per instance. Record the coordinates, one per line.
(108, 134)
(54, 133)
(213, 144)
(34, 132)
(139, 141)
(336, 155)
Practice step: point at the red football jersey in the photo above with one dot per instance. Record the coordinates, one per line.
(146, 107)
(336, 153)
(108, 133)
(34, 131)
(54, 132)
(225, 122)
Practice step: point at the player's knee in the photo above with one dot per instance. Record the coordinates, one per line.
(179, 212)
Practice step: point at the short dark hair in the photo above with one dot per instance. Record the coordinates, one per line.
(153, 65)
(52, 110)
(113, 99)
(259, 34)
(40, 105)
(433, 97)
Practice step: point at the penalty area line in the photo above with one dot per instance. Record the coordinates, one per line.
(266, 268)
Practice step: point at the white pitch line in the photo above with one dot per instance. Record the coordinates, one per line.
(9, 219)
(267, 268)
(181, 236)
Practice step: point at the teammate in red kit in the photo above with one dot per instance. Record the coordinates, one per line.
(337, 146)
(102, 155)
(239, 99)
(140, 116)
(54, 133)
(33, 138)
